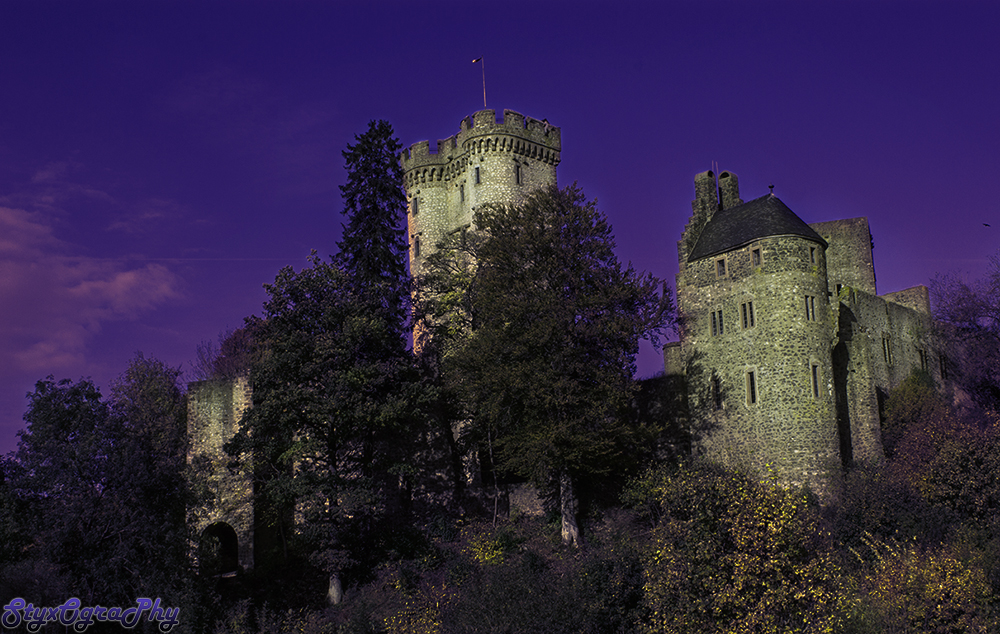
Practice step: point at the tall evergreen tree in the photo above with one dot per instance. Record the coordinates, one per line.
(336, 394)
(373, 249)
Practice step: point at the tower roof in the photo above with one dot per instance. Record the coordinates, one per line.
(760, 218)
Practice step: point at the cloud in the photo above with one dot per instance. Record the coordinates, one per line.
(52, 304)
(148, 216)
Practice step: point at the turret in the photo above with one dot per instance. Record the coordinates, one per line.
(756, 334)
(489, 161)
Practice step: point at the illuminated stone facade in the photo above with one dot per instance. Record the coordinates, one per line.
(786, 349)
(214, 411)
(488, 161)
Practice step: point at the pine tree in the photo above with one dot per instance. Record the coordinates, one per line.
(373, 249)
(336, 394)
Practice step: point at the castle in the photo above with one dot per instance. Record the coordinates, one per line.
(785, 352)
(786, 349)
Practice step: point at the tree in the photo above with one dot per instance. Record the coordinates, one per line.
(332, 425)
(967, 316)
(539, 325)
(373, 249)
(104, 483)
(227, 360)
(146, 475)
(62, 474)
(336, 395)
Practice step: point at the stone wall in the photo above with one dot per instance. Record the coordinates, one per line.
(751, 386)
(880, 343)
(849, 254)
(214, 411)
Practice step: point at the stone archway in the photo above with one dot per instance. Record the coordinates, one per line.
(218, 551)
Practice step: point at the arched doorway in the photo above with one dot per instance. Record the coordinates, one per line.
(218, 551)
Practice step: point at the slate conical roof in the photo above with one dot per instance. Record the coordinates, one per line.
(762, 217)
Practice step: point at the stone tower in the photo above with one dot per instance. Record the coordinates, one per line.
(757, 330)
(488, 161)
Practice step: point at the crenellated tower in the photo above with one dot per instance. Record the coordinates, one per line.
(490, 160)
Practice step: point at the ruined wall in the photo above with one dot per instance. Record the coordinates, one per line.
(488, 161)
(880, 343)
(849, 254)
(214, 411)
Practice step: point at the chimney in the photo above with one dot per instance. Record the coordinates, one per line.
(729, 190)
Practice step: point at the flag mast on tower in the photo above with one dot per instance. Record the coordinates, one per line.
(480, 60)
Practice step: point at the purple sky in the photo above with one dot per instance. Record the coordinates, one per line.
(160, 161)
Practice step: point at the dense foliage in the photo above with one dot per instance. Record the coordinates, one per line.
(98, 486)
(732, 554)
(967, 316)
(539, 325)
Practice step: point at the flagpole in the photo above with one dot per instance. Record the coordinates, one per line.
(482, 61)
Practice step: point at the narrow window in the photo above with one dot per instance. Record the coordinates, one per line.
(923, 359)
(839, 286)
(943, 361)
(461, 193)
(751, 388)
(720, 267)
(716, 393)
(810, 308)
(477, 176)
(517, 174)
(746, 310)
(416, 246)
(887, 349)
(812, 255)
(717, 326)
(415, 205)
(755, 257)
(815, 380)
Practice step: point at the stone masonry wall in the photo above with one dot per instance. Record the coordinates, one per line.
(214, 411)
(789, 427)
(849, 254)
(880, 343)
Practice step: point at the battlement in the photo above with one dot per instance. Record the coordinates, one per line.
(482, 131)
